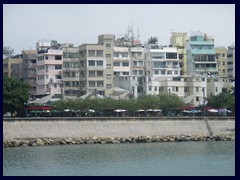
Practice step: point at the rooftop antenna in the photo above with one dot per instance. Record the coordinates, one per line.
(138, 34)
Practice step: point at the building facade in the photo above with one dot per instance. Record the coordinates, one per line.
(49, 71)
(179, 40)
(96, 67)
(231, 62)
(29, 73)
(71, 71)
(201, 55)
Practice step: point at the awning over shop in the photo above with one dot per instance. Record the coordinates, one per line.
(42, 100)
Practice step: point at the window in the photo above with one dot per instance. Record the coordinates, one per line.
(149, 88)
(155, 88)
(108, 65)
(91, 83)
(46, 57)
(125, 73)
(99, 73)
(116, 64)
(197, 99)
(58, 77)
(186, 89)
(99, 63)
(124, 54)
(175, 89)
(91, 73)
(197, 89)
(109, 86)
(115, 54)
(108, 55)
(58, 66)
(99, 53)
(169, 72)
(216, 89)
(223, 63)
(66, 64)
(58, 57)
(171, 55)
(100, 83)
(91, 63)
(108, 45)
(91, 53)
(126, 64)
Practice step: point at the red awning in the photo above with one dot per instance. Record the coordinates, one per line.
(39, 108)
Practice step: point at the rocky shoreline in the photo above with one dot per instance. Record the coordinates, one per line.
(114, 140)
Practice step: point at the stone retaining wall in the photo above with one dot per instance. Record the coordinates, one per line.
(121, 127)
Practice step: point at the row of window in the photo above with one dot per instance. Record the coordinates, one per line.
(204, 58)
(71, 64)
(124, 64)
(57, 57)
(174, 89)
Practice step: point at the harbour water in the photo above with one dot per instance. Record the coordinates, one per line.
(213, 158)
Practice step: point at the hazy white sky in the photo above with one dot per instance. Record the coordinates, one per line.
(24, 25)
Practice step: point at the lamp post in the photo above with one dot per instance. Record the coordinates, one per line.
(203, 90)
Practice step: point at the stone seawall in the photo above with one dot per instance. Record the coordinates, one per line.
(20, 128)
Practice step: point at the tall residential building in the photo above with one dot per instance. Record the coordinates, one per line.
(160, 64)
(231, 62)
(70, 71)
(121, 61)
(49, 71)
(221, 57)
(131, 82)
(29, 73)
(96, 67)
(178, 40)
(201, 55)
(13, 67)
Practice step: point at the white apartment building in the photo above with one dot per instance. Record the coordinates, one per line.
(49, 71)
(121, 61)
(191, 89)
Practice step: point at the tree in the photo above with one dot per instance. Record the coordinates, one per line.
(55, 44)
(15, 95)
(153, 40)
(222, 100)
(8, 50)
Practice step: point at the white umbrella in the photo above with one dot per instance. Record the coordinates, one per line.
(213, 110)
(157, 110)
(140, 110)
(120, 110)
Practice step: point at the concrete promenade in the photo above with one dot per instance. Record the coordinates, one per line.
(69, 127)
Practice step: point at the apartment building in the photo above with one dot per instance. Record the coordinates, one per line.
(121, 61)
(221, 57)
(70, 71)
(231, 62)
(13, 67)
(30, 66)
(178, 40)
(49, 71)
(201, 55)
(96, 67)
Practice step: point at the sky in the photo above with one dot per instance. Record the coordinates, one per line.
(25, 24)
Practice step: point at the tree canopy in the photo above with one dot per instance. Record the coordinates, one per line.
(222, 100)
(15, 95)
(162, 101)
